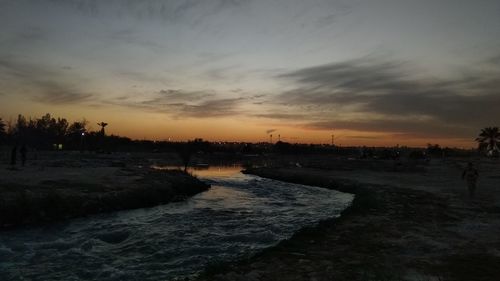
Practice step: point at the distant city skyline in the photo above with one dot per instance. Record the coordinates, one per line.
(381, 72)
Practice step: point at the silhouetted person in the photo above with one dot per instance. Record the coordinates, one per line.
(13, 155)
(23, 152)
(185, 154)
(470, 174)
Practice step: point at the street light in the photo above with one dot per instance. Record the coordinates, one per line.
(81, 141)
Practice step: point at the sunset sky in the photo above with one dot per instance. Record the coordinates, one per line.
(372, 72)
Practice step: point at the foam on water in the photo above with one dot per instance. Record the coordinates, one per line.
(239, 215)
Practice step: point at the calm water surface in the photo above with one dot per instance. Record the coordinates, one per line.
(240, 215)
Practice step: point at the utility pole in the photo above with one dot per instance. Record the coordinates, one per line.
(271, 138)
(333, 139)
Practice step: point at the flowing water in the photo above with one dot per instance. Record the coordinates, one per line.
(240, 215)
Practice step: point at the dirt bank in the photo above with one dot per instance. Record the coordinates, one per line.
(65, 187)
(395, 230)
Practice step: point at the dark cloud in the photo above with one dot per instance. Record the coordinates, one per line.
(270, 131)
(403, 101)
(55, 93)
(284, 116)
(414, 128)
(12, 67)
(357, 77)
(181, 104)
(40, 80)
(362, 137)
(180, 95)
(210, 108)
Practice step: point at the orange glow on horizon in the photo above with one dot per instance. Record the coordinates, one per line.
(161, 127)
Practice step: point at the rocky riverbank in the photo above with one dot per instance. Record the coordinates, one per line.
(395, 229)
(48, 190)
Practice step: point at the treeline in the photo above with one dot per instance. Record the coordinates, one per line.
(48, 132)
(51, 133)
(364, 152)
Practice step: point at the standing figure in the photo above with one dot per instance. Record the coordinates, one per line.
(470, 174)
(23, 152)
(13, 155)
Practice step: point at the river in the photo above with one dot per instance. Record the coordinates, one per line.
(240, 215)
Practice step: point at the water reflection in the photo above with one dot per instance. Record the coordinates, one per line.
(205, 171)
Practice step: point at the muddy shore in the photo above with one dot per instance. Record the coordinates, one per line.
(394, 230)
(67, 186)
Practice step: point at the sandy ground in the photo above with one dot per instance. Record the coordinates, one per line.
(402, 226)
(441, 177)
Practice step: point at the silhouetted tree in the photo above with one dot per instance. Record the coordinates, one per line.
(20, 128)
(77, 128)
(388, 154)
(283, 147)
(3, 131)
(199, 145)
(74, 133)
(416, 155)
(489, 140)
(248, 148)
(60, 128)
(45, 131)
(434, 150)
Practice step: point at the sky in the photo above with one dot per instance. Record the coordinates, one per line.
(369, 72)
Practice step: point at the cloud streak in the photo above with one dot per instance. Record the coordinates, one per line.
(210, 108)
(43, 83)
(185, 104)
(390, 96)
(52, 92)
(190, 11)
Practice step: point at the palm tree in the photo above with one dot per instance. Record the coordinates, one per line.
(102, 125)
(489, 139)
